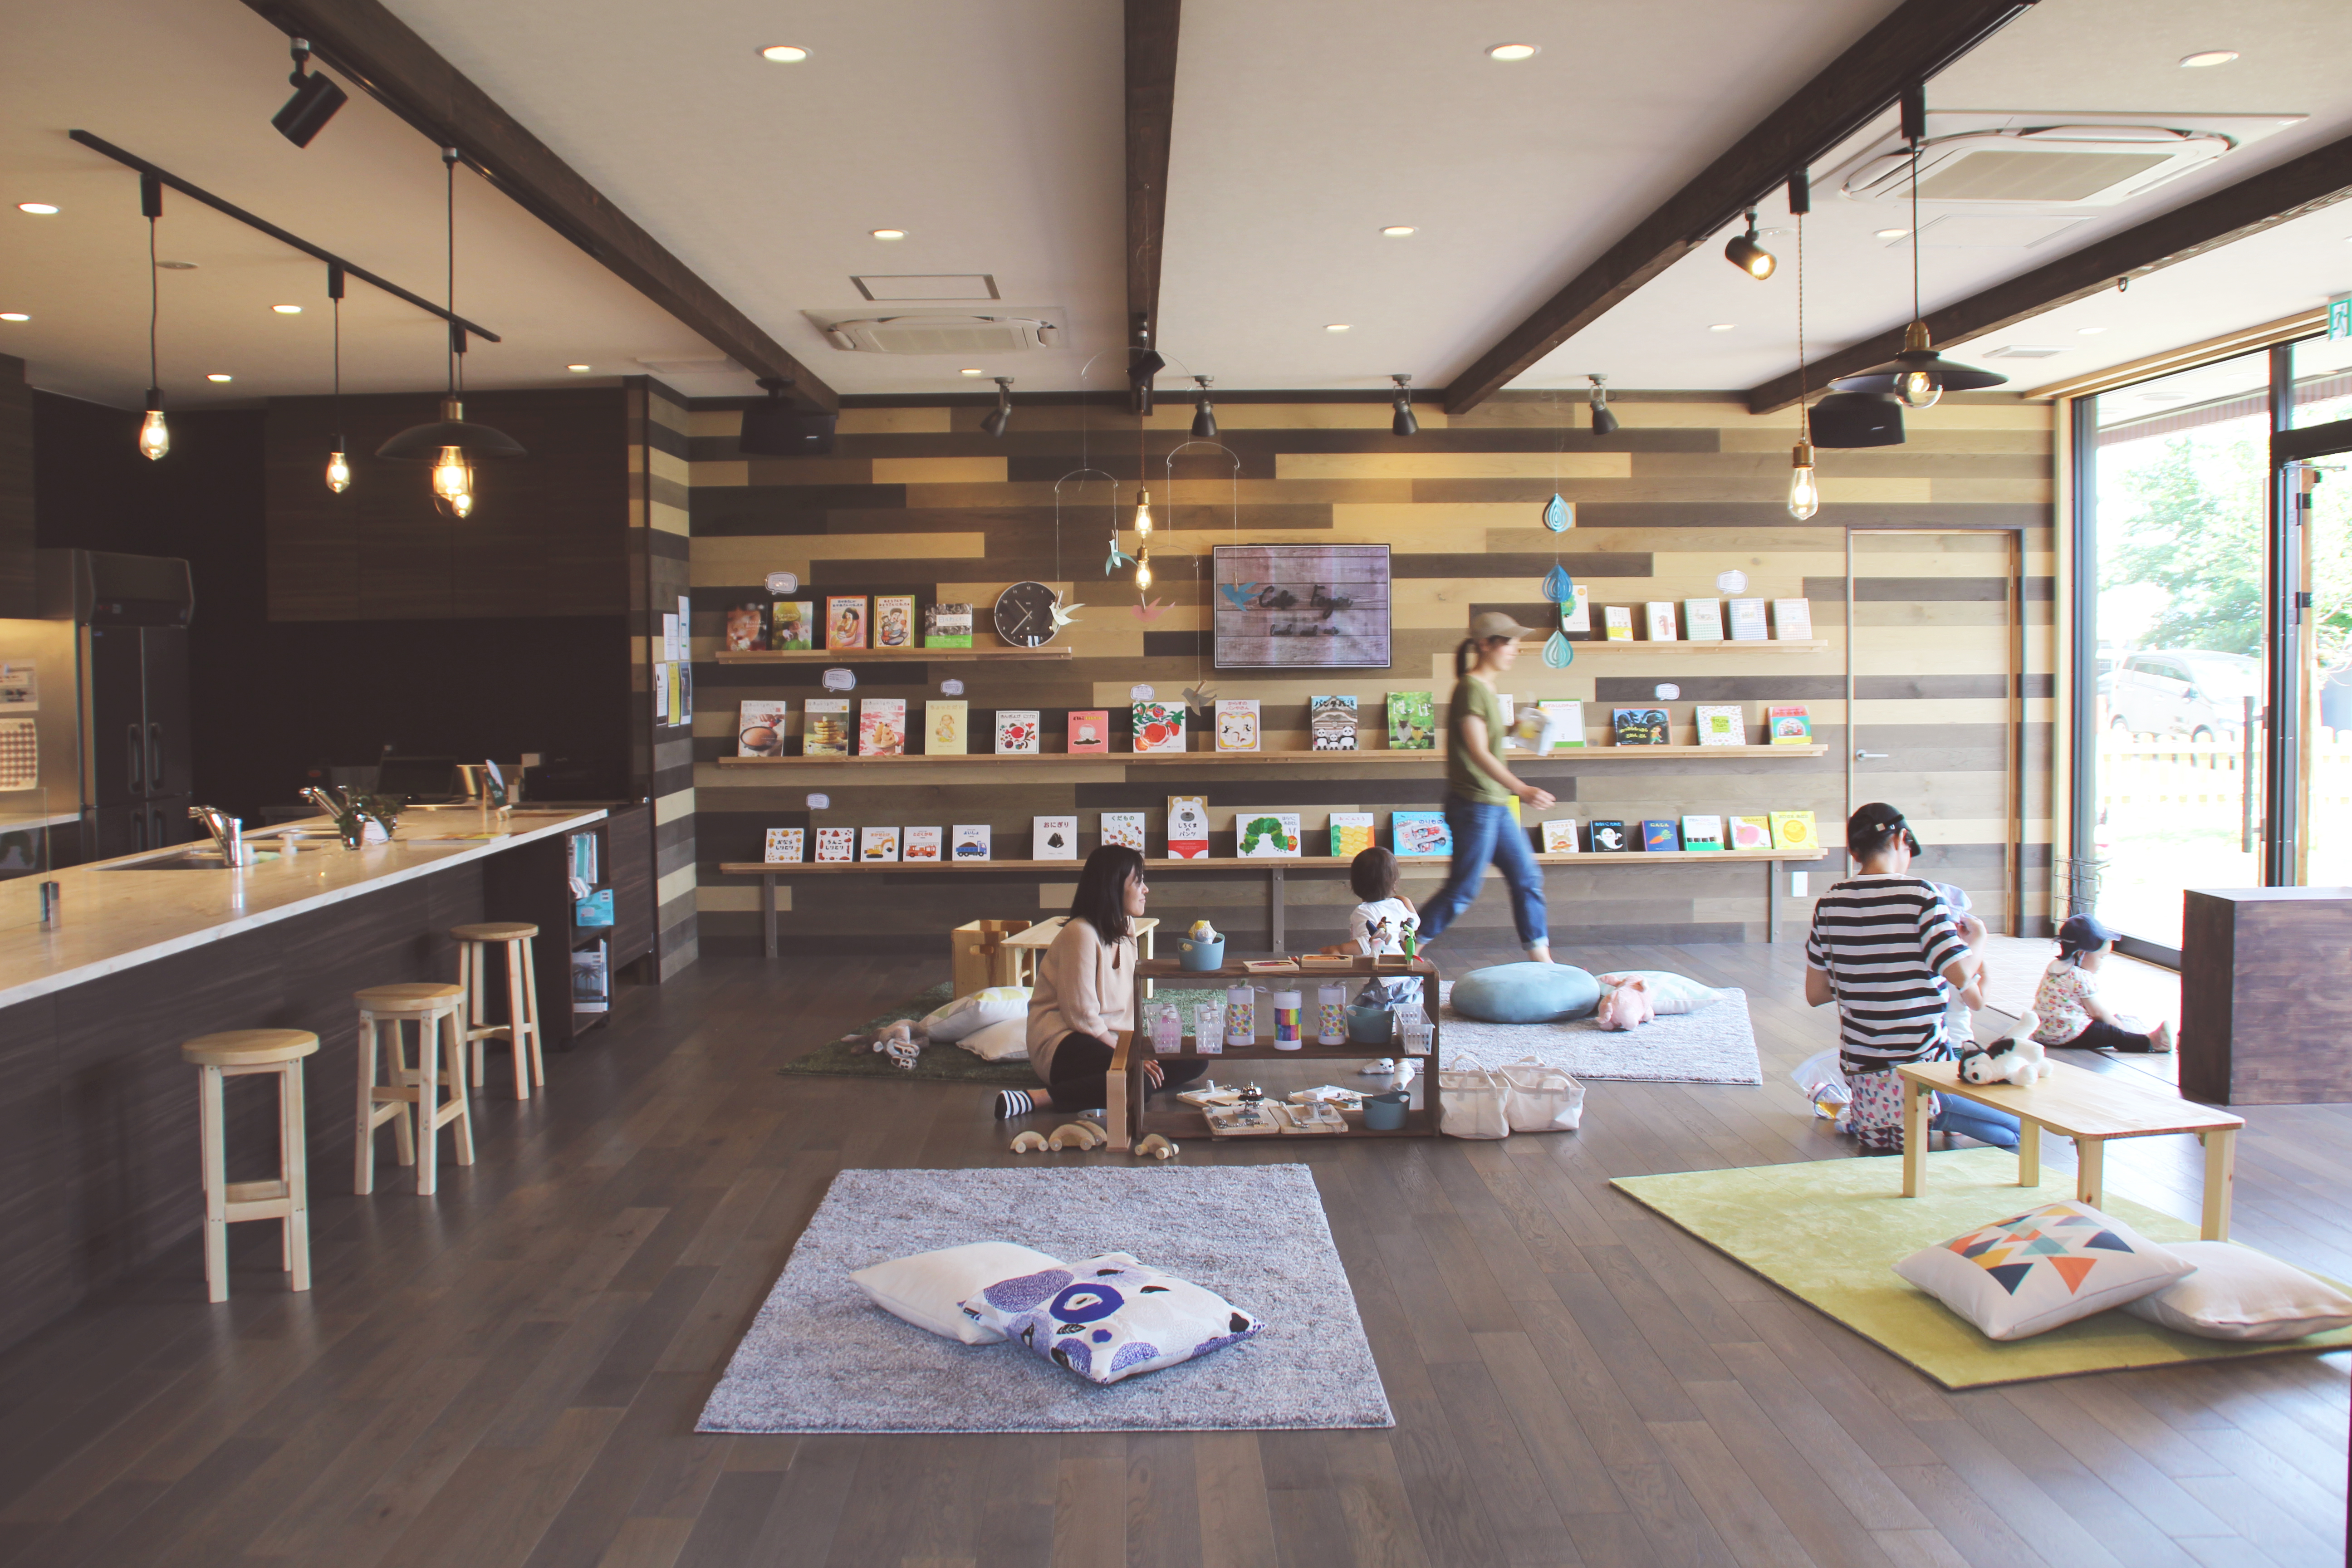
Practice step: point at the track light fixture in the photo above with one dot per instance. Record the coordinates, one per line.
(1604, 422)
(1404, 424)
(339, 463)
(315, 99)
(1751, 258)
(1204, 413)
(995, 421)
(154, 436)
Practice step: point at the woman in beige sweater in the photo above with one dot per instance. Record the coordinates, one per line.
(1085, 993)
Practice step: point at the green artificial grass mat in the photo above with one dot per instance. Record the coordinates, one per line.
(852, 1056)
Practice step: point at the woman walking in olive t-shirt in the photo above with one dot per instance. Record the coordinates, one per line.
(1478, 791)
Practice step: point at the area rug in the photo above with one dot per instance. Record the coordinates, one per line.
(1715, 1044)
(820, 1357)
(853, 1056)
(1830, 1232)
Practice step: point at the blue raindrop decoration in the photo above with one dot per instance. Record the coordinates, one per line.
(1558, 586)
(1558, 514)
(1559, 653)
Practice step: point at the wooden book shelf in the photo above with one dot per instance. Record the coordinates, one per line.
(894, 654)
(1222, 759)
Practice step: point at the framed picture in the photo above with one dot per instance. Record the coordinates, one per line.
(1301, 606)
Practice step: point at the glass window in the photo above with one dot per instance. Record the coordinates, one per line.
(2323, 392)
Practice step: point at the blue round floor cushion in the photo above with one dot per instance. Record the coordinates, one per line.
(1526, 993)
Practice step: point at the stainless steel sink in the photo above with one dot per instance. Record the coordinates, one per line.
(190, 860)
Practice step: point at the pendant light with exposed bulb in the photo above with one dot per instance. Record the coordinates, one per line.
(1404, 424)
(1804, 491)
(1919, 376)
(339, 462)
(154, 436)
(1204, 413)
(451, 444)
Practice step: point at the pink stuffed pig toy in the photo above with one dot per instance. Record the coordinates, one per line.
(1626, 1005)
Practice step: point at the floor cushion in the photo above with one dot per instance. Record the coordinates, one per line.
(928, 1288)
(1527, 993)
(1006, 1040)
(1669, 992)
(2047, 1267)
(2239, 1294)
(1110, 1317)
(977, 1011)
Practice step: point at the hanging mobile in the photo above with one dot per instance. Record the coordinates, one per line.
(1558, 514)
(1558, 587)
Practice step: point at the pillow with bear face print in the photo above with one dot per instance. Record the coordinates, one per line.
(1110, 1317)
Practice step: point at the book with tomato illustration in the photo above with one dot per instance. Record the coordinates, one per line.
(1016, 732)
(1159, 727)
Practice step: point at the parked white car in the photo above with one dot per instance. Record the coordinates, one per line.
(2184, 692)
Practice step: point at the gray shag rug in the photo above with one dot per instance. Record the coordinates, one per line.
(1715, 1044)
(821, 1357)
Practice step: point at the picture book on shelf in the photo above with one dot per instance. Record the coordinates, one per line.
(1412, 722)
(792, 625)
(1608, 837)
(595, 911)
(1746, 620)
(1237, 724)
(592, 979)
(1187, 828)
(894, 620)
(1789, 724)
(836, 844)
(760, 727)
(1617, 620)
(1576, 615)
(845, 621)
(971, 841)
(1159, 727)
(947, 727)
(747, 628)
(1658, 621)
(1266, 834)
(1705, 619)
(947, 626)
(1751, 833)
(1123, 828)
(1658, 836)
(1640, 726)
(1419, 833)
(1054, 838)
(1089, 731)
(1793, 620)
(1795, 830)
(1702, 832)
(1564, 724)
(825, 727)
(1559, 836)
(1332, 723)
(1351, 834)
(921, 844)
(878, 844)
(882, 726)
(1721, 724)
(1016, 732)
(783, 847)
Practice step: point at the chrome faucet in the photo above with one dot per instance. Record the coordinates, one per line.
(227, 831)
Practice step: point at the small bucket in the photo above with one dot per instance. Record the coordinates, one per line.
(1385, 1112)
(1199, 956)
(1370, 1026)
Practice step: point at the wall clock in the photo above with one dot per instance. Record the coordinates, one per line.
(1025, 614)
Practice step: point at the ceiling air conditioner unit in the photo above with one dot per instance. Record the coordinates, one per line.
(1998, 159)
(939, 334)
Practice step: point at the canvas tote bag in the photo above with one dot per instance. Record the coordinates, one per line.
(1471, 1099)
(1540, 1097)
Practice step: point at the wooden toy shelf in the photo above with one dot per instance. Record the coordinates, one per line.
(1794, 645)
(1216, 759)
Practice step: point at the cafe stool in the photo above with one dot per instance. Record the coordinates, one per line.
(246, 1053)
(412, 1102)
(474, 944)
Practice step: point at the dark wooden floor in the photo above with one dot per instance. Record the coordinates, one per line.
(511, 1373)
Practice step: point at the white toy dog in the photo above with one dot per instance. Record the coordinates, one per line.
(2016, 1059)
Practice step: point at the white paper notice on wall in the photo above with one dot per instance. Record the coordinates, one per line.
(669, 637)
(839, 679)
(783, 583)
(20, 686)
(1732, 582)
(951, 688)
(820, 801)
(1668, 691)
(1138, 694)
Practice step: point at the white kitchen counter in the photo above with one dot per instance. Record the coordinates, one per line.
(115, 919)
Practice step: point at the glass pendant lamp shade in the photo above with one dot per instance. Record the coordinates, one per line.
(1805, 493)
(452, 445)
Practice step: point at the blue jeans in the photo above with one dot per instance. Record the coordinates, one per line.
(1485, 834)
(1982, 1123)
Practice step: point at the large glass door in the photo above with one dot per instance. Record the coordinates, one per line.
(2320, 486)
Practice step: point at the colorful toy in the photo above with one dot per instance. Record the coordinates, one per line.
(903, 1043)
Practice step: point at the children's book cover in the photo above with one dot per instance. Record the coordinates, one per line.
(1412, 722)
(1123, 828)
(882, 726)
(1559, 836)
(1659, 620)
(824, 730)
(760, 728)
(1016, 732)
(1419, 833)
(1751, 833)
(783, 847)
(1576, 615)
(845, 621)
(894, 620)
(1705, 619)
(1795, 830)
(1793, 620)
(878, 844)
(947, 727)
(1237, 724)
(1188, 826)
(1640, 726)
(1159, 727)
(947, 626)
(921, 844)
(1266, 834)
(1790, 724)
(1658, 836)
(1618, 622)
(1054, 838)
(1351, 833)
(792, 625)
(836, 844)
(1610, 838)
(972, 841)
(1746, 620)
(747, 628)
(1564, 724)
(1332, 723)
(1089, 731)
(1702, 832)
(1721, 724)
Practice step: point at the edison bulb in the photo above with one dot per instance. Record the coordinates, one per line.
(1918, 389)
(451, 478)
(461, 505)
(1804, 494)
(1143, 570)
(154, 436)
(1143, 512)
(338, 472)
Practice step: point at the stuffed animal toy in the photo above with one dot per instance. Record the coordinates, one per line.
(2018, 1059)
(903, 1043)
(1625, 1005)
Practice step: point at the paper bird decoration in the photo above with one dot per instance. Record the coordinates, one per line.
(1237, 593)
(1118, 558)
(1150, 610)
(1062, 615)
(1201, 698)
(1558, 515)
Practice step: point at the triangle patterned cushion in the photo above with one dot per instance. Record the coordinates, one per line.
(2034, 1271)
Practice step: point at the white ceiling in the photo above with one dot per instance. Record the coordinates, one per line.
(990, 130)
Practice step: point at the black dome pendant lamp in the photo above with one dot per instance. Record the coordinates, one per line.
(452, 444)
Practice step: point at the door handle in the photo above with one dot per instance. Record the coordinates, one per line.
(155, 757)
(1869, 756)
(137, 782)
(137, 830)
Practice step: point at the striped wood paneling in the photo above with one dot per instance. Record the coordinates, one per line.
(660, 522)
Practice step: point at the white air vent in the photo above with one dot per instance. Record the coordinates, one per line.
(2022, 350)
(1981, 159)
(971, 335)
(926, 286)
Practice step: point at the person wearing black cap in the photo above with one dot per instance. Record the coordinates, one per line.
(1885, 949)
(2067, 1000)
(1479, 787)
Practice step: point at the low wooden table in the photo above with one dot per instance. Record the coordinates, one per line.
(1022, 948)
(2088, 1107)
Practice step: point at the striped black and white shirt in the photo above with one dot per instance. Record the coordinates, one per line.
(1883, 942)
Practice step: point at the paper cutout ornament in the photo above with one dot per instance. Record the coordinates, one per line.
(1560, 516)
(1558, 586)
(1559, 653)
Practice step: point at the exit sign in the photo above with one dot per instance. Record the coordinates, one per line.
(2339, 317)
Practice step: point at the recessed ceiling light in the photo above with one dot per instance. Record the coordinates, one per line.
(1336, 326)
(14, 316)
(1724, 327)
(784, 54)
(177, 266)
(2204, 58)
(288, 310)
(1762, 231)
(2090, 331)
(219, 376)
(972, 370)
(1892, 233)
(1398, 230)
(890, 234)
(576, 369)
(39, 209)
(1512, 52)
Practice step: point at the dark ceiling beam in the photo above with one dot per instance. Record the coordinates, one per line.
(1918, 40)
(377, 50)
(2258, 202)
(1151, 27)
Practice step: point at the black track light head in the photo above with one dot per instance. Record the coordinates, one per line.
(1404, 424)
(994, 422)
(1204, 413)
(1604, 422)
(1751, 258)
(315, 99)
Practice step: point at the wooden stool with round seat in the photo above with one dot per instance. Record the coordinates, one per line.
(246, 1053)
(412, 1100)
(521, 1028)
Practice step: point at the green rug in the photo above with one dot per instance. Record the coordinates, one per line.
(1830, 1232)
(853, 1056)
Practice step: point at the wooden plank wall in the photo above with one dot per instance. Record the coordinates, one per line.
(917, 500)
(662, 756)
(17, 597)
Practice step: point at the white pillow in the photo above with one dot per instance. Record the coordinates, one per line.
(1007, 1041)
(2239, 1294)
(1669, 992)
(2031, 1273)
(981, 1008)
(1110, 1317)
(928, 1288)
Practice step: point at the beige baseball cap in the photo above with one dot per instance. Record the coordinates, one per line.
(1495, 623)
